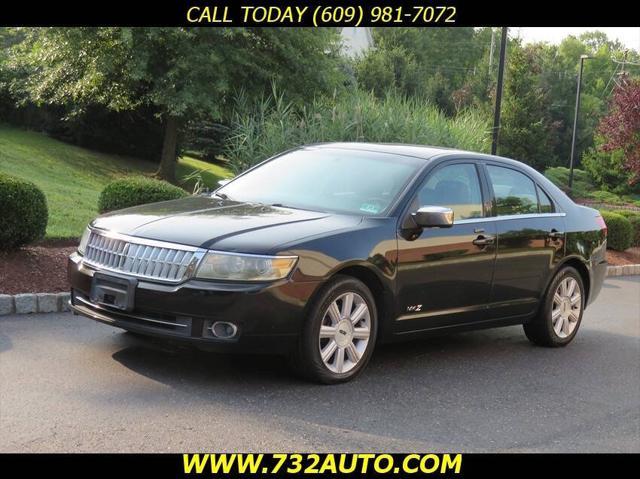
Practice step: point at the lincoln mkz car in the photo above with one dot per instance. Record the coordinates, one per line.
(324, 251)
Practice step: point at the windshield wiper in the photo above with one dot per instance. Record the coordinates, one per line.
(222, 195)
(282, 205)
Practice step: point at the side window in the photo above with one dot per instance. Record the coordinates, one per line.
(455, 186)
(515, 192)
(546, 205)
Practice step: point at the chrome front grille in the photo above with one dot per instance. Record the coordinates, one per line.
(141, 258)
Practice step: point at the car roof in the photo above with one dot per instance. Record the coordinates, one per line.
(425, 152)
(417, 151)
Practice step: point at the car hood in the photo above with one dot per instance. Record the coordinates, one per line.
(222, 224)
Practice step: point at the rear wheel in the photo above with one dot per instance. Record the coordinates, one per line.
(339, 334)
(560, 315)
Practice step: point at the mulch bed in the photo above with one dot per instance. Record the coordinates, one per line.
(620, 258)
(42, 268)
(36, 269)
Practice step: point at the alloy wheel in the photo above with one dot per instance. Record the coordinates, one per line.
(567, 305)
(344, 332)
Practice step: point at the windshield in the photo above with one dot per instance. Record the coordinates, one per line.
(326, 179)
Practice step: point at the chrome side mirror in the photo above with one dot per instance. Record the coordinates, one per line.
(433, 217)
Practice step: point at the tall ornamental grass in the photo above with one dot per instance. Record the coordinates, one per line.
(272, 125)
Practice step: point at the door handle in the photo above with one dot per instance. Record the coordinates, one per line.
(555, 234)
(483, 240)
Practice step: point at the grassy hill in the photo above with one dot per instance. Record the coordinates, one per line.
(73, 177)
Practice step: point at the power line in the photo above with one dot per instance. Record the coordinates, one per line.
(626, 63)
(610, 79)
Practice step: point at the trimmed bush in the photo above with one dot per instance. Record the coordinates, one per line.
(635, 224)
(135, 191)
(23, 215)
(620, 231)
(634, 219)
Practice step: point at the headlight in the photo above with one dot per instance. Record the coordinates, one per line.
(245, 267)
(83, 241)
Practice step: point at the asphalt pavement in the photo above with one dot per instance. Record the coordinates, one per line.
(70, 384)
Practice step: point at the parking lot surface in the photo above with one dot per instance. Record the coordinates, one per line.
(70, 384)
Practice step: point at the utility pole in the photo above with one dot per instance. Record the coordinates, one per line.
(496, 115)
(575, 119)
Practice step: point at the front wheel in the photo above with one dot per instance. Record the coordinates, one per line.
(560, 314)
(339, 334)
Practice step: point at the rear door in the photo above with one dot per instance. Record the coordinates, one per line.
(530, 241)
(444, 274)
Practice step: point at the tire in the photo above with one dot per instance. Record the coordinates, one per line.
(349, 337)
(560, 314)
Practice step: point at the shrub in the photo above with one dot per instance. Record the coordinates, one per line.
(606, 197)
(133, 191)
(24, 214)
(608, 170)
(635, 224)
(620, 231)
(582, 186)
(634, 219)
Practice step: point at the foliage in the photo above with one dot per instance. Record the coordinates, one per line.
(607, 168)
(205, 138)
(559, 70)
(180, 73)
(582, 185)
(119, 89)
(526, 125)
(24, 212)
(605, 197)
(384, 70)
(72, 177)
(635, 224)
(634, 219)
(274, 125)
(418, 62)
(133, 191)
(621, 127)
(619, 231)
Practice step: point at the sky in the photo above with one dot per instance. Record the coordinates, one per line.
(628, 36)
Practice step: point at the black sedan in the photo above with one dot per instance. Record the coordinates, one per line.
(323, 251)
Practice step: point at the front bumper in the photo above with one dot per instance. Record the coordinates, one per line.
(269, 316)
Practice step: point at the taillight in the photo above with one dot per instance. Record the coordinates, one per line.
(602, 224)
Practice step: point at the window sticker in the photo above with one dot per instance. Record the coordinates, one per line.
(369, 208)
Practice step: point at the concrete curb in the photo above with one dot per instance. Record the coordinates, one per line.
(28, 303)
(626, 270)
(58, 302)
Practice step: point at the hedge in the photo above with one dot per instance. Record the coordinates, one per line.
(134, 191)
(24, 214)
(634, 219)
(620, 231)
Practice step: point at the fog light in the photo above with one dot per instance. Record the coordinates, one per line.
(224, 330)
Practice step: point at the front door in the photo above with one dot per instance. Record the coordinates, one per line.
(445, 274)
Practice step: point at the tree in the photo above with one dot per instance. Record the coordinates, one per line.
(559, 70)
(181, 73)
(428, 63)
(526, 127)
(621, 127)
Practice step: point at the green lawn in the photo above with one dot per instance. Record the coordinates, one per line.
(209, 172)
(72, 177)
